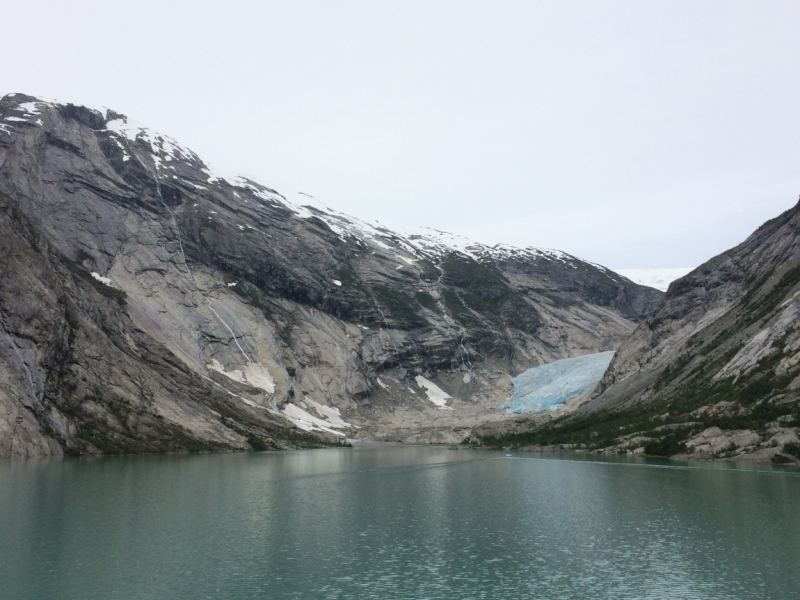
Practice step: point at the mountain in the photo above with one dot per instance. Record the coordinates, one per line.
(150, 303)
(714, 371)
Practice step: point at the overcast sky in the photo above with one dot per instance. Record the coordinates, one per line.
(633, 134)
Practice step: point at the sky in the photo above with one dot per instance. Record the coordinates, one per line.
(632, 134)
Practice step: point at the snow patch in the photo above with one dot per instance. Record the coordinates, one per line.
(253, 374)
(235, 375)
(307, 421)
(259, 376)
(435, 394)
(101, 279)
(29, 107)
(329, 413)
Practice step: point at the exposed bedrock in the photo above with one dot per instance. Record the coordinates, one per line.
(149, 304)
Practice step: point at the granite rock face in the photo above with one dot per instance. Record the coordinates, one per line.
(149, 303)
(735, 306)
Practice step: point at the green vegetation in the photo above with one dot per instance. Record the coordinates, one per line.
(426, 301)
(106, 444)
(250, 293)
(672, 371)
(759, 307)
(285, 332)
(258, 444)
(669, 445)
(793, 449)
(349, 277)
(482, 303)
(76, 267)
(599, 430)
(600, 295)
(471, 274)
(481, 287)
(456, 307)
(758, 401)
(114, 443)
(353, 300)
(83, 257)
(401, 306)
(123, 439)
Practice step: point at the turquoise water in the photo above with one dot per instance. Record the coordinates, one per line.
(398, 522)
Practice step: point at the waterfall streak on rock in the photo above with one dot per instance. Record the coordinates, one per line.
(183, 254)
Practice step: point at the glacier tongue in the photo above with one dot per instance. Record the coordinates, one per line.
(548, 386)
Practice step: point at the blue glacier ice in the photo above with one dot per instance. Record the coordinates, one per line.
(548, 386)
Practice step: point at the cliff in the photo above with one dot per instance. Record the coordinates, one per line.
(149, 303)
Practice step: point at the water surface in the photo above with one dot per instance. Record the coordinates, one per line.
(398, 522)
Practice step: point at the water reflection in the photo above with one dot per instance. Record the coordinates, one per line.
(403, 522)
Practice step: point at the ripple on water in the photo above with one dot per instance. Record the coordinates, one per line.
(394, 523)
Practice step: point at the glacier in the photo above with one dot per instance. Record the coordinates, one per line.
(655, 278)
(548, 386)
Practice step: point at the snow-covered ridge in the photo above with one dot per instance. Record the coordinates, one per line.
(655, 278)
(26, 113)
(406, 245)
(162, 147)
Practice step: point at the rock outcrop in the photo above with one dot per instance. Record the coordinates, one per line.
(149, 303)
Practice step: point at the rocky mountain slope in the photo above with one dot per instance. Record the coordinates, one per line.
(149, 303)
(715, 370)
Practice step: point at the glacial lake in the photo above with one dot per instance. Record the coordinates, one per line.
(395, 522)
